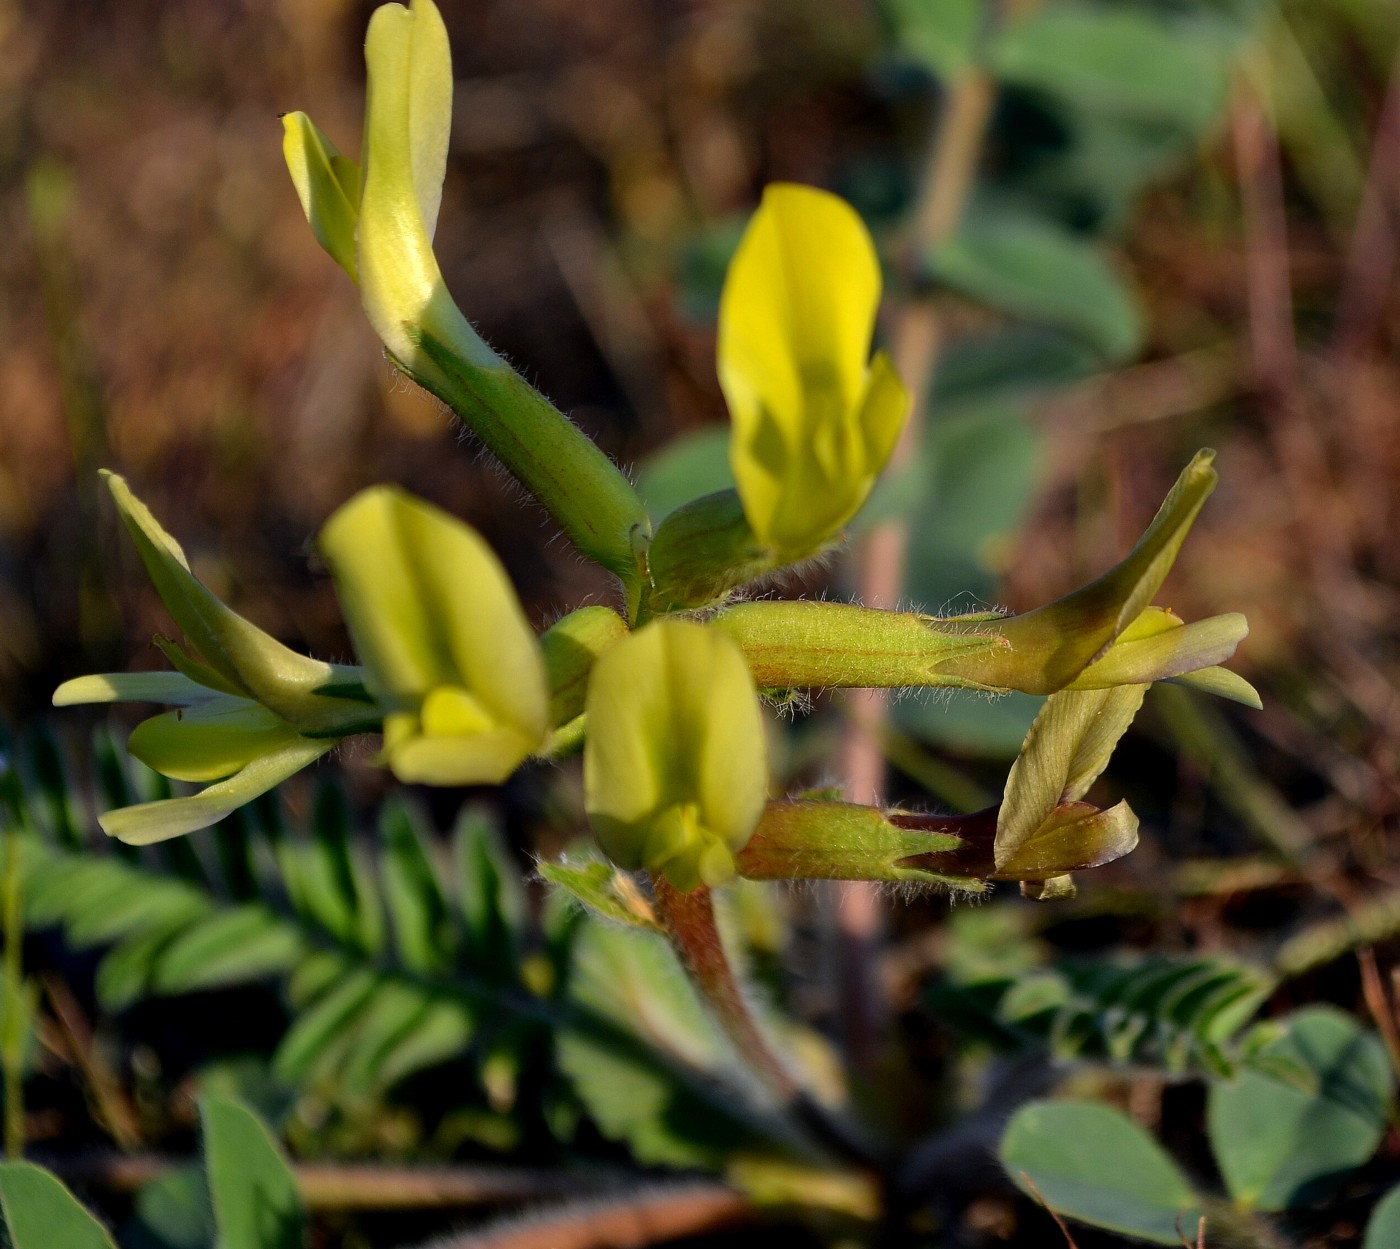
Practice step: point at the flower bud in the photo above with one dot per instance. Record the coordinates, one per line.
(446, 648)
(675, 771)
(814, 419)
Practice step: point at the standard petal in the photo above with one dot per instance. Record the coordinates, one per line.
(796, 317)
(675, 768)
(428, 606)
(408, 112)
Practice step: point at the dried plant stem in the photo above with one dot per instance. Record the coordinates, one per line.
(114, 1108)
(949, 175)
(348, 1186)
(645, 1218)
(1371, 261)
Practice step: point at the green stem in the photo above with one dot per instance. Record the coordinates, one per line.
(12, 1043)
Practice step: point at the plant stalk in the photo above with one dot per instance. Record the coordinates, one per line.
(12, 1040)
(689, 921)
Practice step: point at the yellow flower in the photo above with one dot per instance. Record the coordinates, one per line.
(675, 771)
(814, 419)
(250, 711)
(377, 222)
(446, 648)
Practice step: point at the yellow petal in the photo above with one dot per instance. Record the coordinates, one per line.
(812, 426)
(445, 644)
(328, 185)
(408, 113)
(210, 741)
(675, 769)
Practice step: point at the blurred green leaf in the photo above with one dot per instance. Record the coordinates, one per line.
(238, 944)
(1092, 1163)
(646, 1060)
(172, 1212)
(686, 469)
(1031, 268)
(1121, 59)
(38, 1212)
(701, 267)
(412, 891)
(942, 36)
(256, 1205)
(1383, 1231)
(1280, 1146)
(492, 901)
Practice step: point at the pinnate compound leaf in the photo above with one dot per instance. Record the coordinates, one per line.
(1282, 1144)
(256, 1205)
(1091, 1163)
(174, 1211)
(413, 892)
(942, 37)
(644, 1058)
(38, 1212)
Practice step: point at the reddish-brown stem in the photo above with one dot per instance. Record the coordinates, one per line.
(689, 921)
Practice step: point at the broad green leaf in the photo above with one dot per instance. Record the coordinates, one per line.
(1120, 59)
(174, 1211)
(1383, 1231)
(1091, 1163)
(38, 1212)
(1032, 269)
(684, 470)
(1281, 1146)
(256, 1205)
(942, 37)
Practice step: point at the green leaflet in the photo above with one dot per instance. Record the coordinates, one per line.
(256, 1205)
(1093, 1163)
(38, 1212)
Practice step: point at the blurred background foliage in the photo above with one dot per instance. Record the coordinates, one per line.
(1182, 232)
